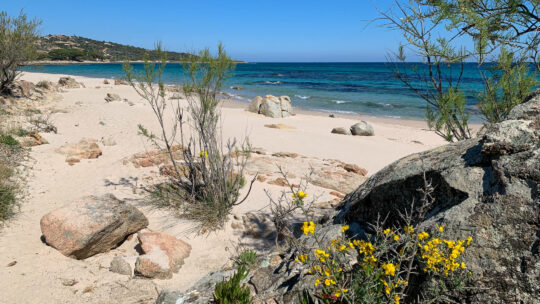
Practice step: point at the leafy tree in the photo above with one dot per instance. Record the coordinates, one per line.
(494, 23)
(508, 85)
(435, 29)
(18, 36)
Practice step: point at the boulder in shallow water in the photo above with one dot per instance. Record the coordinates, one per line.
(91, 225)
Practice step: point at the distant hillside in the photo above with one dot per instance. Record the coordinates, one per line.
(75, 48)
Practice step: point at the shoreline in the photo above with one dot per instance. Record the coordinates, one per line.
(237, 103)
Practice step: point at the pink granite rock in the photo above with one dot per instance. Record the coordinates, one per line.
(163, 255)
(91, 225)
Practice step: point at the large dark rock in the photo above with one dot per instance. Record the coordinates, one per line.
(487, 188)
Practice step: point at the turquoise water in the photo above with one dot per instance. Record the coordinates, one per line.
(365, 88)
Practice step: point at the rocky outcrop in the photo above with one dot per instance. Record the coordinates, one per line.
(163, 255)
(487, 188)
(87, 148)
(70, 83)
(120, 82)
(90, 225)
(271, 106)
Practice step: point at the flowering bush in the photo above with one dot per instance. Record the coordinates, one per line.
(378, 270)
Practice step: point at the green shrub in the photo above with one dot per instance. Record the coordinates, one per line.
(8, 198)
(247, 258)
(232, 291)
(8, 140)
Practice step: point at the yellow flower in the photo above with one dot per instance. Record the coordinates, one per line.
(469, 240)
(389, 269)
(301, 194)
(387, 290)
(302, 258)
(441, 228)
(423, 235)
(386, 231)
(344, 290)
(396, 299)
(396, 237)
(344, 228)
(308, 228)
(463, 266)
(317, 282)
(203, 153)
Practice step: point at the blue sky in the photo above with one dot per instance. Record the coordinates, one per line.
(256, 30)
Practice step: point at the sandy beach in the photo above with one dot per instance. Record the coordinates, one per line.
(43, 275)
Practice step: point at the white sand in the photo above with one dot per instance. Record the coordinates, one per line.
(37, 276)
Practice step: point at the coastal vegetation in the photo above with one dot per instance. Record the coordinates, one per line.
(205, 183)
(435, 30)
(18, 36)
(76, 48)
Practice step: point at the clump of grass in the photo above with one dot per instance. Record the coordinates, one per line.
(232, 291)
(247, 258)
(8, 190)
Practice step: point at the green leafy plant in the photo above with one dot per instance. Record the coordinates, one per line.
(9, 141)
(18, 36)
(232, 291)
(206, 181)
(247, 258)
(508, 85)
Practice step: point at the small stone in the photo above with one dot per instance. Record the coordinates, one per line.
(11, 264)
(112, 97)
(340, 130)
(69, 282)
(279, 126)
(119, 265)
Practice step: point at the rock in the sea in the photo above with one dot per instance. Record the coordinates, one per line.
(70, 83)
(484, 187)
(163, 255)
(362, 129)
(90, 225)
(112, 97)
(343, 131)
(121, 266)
(87, 148)
(238, 88)
(271, 106)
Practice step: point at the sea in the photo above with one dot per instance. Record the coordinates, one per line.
(349, 88)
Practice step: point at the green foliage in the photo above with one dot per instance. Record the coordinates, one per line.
(494, 23)
(247, 258)
(61, 47)
(73, 54)
(8, 190)
(507, 87)
(18, 36)
(9, 141)
(232, 291)
(205, 186)
(509, 27)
